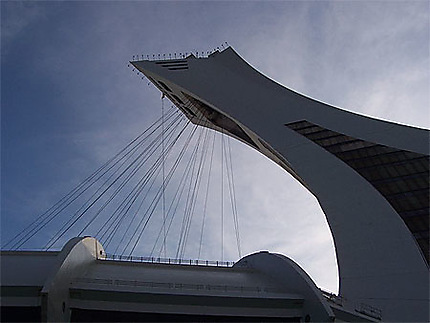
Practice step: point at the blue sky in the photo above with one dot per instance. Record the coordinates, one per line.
(69, 102)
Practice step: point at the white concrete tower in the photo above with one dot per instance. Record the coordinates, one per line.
(370, 177)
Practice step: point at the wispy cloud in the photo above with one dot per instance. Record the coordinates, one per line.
(69, 102)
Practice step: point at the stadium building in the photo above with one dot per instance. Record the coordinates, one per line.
(371, 178)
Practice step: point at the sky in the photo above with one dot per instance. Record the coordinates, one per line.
(69, 102)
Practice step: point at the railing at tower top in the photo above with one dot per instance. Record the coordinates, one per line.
(179, 55)
(169, 261)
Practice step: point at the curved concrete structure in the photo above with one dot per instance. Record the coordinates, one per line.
(369, 176)
(287, 273)
(72, 261)
(35, 284)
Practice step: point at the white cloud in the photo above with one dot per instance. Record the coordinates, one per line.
(369, 57)
(18, 15)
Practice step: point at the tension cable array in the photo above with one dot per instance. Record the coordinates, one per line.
(148, 197)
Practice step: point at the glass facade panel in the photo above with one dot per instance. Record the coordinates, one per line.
(402, 177)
